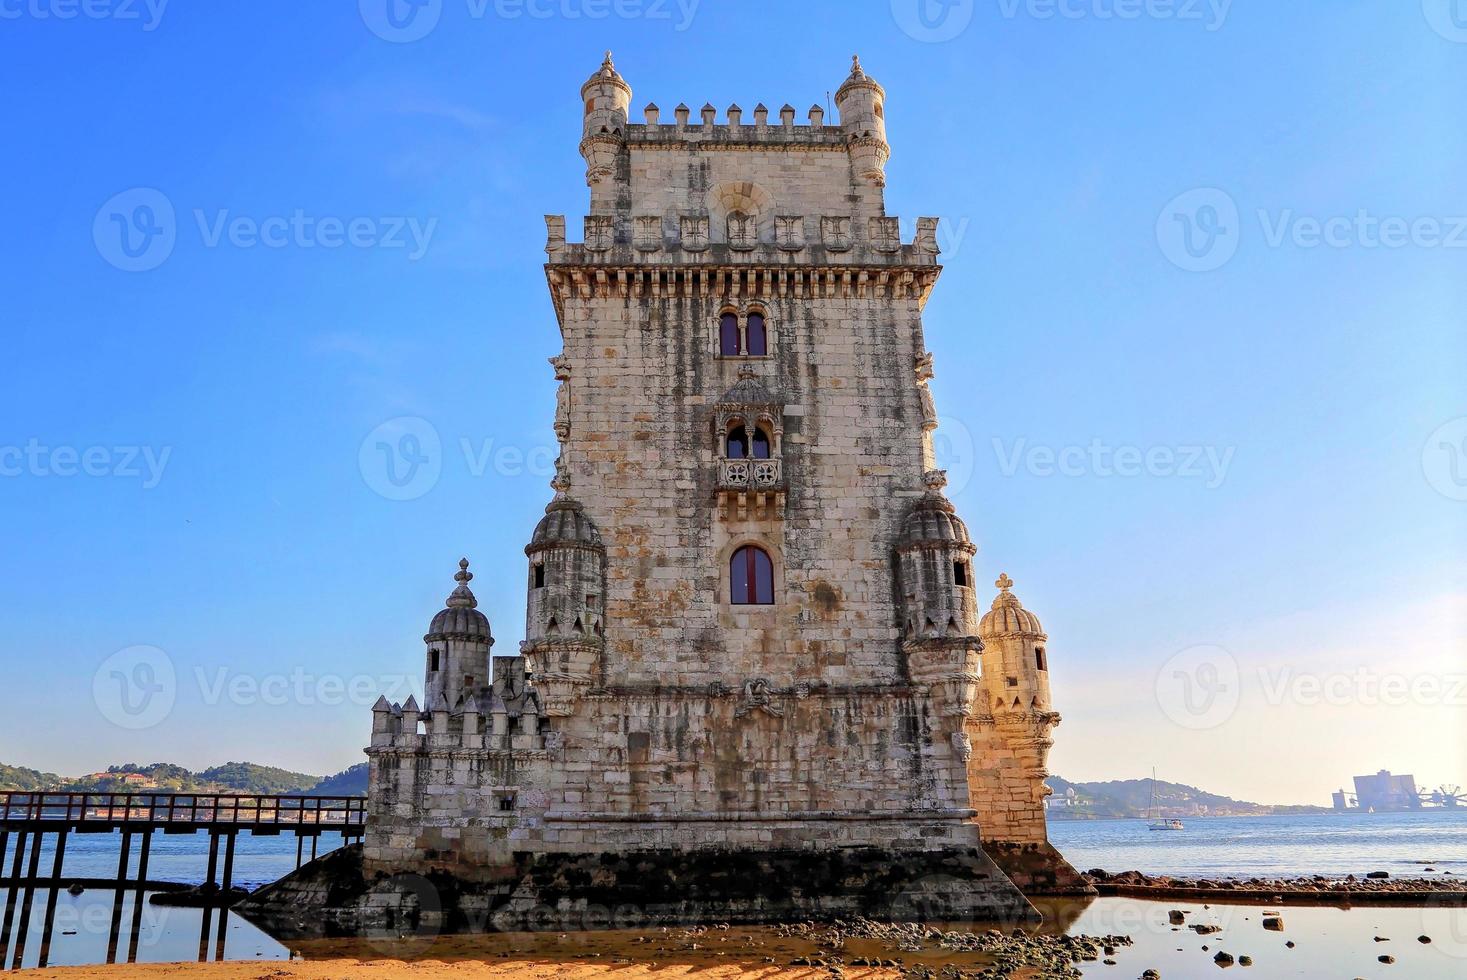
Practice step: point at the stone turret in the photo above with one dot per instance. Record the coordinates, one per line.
(563, 622)
(940, 623)
(863, 118)
(607, 98)
(458, 642)
(1016, 686)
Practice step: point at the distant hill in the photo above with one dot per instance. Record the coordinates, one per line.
(19, 778)
(232, 777)
(1131, 797)
(348, 782)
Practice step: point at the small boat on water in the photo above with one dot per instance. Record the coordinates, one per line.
(1154, 819)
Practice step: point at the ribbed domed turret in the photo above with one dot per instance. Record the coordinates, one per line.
(564, 523)
(1008, 616)
(460, 619)
(934, 521)
(607, 73)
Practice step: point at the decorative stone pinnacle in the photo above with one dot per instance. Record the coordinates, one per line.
(1004, 582)
(461, 597)
(856, 65)
(606, 62)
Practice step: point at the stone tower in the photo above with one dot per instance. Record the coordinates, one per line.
(752, 626)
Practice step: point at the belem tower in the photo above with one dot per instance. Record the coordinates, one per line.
(753, 637)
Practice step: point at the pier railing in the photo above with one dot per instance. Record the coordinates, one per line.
(180, 810)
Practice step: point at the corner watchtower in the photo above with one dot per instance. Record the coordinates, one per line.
(861, 102)
(607, 97)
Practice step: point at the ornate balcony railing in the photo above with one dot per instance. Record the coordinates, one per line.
(750, 474)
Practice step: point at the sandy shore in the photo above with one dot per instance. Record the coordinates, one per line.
(436, 969)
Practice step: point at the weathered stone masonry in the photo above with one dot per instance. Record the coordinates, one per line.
(647, 712)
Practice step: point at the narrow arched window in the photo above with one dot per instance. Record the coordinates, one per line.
(737, 445)
(751, 577)
(728, 335)
(760, 445)
(758, 338)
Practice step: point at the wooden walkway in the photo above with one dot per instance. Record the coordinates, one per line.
(28, 817)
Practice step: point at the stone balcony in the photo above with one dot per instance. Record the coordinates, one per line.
(751, 483)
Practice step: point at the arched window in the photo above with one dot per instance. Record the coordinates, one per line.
(760, 445)
(728, 335)
(737, 444)
(751, 577)
(758, 339)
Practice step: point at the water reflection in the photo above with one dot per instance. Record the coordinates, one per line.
(54, 927)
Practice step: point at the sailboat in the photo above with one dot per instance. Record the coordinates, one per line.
(1155, 822)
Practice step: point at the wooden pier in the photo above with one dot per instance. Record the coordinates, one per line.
(26, 818)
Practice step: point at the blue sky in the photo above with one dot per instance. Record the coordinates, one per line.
(227, 517)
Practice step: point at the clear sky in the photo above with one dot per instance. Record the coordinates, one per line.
(1199, 345)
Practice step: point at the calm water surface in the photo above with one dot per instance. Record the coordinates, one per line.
(1329, 941)
(1404, 844)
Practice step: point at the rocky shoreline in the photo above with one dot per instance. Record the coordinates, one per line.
(1376, 887)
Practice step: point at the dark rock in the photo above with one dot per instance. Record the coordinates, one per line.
(1379, 874)
(1386, 959)
(1245, 961)
(1176, 917)
(1273, 923)
(1223, 959)
(1423, 939)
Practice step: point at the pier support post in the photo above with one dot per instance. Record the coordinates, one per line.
(5, 922)
(117, 897)
(49, 923)
(139, 896)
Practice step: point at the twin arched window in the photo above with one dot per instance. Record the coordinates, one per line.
(750, 338)
(741, 445)
(751, 577)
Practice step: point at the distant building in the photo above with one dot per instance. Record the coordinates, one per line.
(1385, 791)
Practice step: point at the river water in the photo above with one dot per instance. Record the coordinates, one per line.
(1328, 941)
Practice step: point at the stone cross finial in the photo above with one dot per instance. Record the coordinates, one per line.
(1004, 582)
(461, 597)
(856, 64)
(463, 575)
(606, 62)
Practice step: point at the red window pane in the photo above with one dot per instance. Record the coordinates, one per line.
(758, 341)
(761, 445)
(728, 335)
(751, 577)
